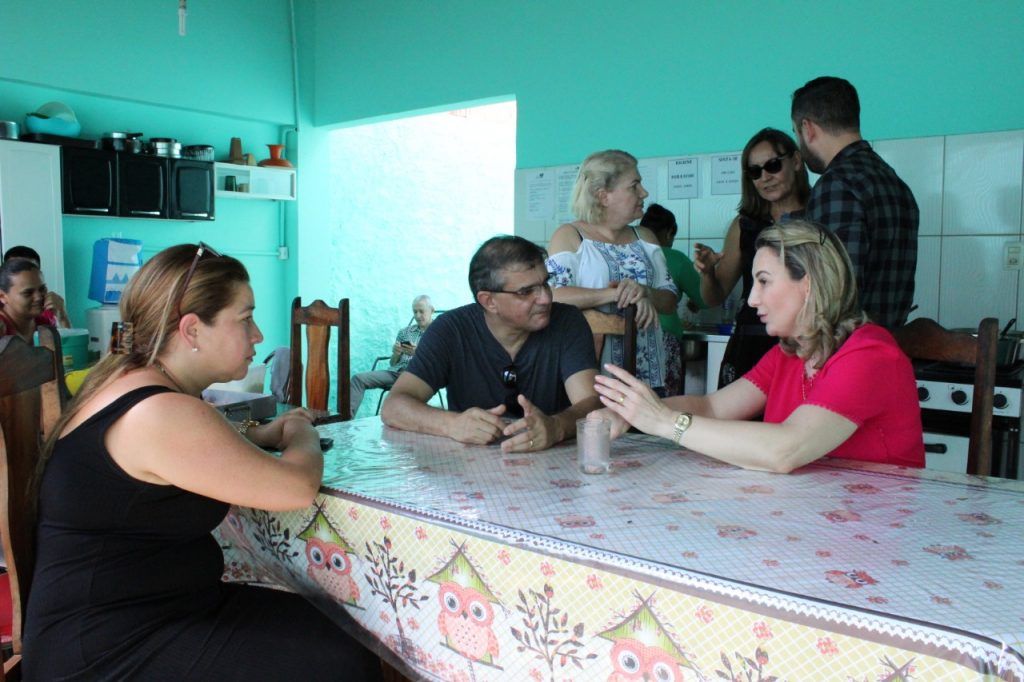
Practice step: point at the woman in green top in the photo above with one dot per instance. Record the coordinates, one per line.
(662, 223)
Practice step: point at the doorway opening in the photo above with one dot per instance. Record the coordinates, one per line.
(412, 199)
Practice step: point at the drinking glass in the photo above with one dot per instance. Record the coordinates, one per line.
(593, 445)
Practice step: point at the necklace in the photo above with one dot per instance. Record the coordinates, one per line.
(170, 377)
(806, 381)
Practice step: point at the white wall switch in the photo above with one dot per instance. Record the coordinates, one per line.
(1013, 256)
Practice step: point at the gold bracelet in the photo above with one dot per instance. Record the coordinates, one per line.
(243, 426)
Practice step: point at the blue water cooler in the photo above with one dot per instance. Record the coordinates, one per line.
(114, 261)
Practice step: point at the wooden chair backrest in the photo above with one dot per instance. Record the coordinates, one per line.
(926, 339)
(318, 319)
(602, 324)
(29, 407)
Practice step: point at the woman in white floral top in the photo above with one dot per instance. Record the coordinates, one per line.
(600, 261)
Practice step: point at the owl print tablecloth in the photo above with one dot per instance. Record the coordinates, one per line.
(471, 564)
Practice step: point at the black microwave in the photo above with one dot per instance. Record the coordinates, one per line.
(102, 182)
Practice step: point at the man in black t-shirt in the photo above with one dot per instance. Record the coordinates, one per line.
(514, 355)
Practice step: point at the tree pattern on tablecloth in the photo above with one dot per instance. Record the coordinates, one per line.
(546, 631)
(389, 580)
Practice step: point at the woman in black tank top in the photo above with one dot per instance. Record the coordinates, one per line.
(127, 582)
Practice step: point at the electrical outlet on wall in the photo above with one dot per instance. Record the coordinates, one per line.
(1013, 256)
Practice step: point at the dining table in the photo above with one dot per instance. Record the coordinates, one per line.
(469, 563)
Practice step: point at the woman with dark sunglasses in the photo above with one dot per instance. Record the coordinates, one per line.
(774, 188)
(139, 470)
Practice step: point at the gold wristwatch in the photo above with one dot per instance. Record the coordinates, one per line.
(683, 422)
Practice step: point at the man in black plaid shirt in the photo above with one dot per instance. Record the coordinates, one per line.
(859, 197)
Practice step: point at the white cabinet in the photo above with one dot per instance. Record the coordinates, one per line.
(259, 182)
(30, 204)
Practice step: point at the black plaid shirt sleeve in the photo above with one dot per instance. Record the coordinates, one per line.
(838, 208)
(873, 212)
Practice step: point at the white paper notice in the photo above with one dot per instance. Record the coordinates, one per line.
(565, 181)
(683, 178)
(540, 196)
(725, 174)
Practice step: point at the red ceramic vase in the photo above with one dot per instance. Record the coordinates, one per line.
(275, 157)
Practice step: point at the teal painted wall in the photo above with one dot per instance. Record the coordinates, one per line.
(669, 76)
(121, 65)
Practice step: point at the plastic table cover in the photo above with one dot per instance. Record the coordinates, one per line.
(473, 564)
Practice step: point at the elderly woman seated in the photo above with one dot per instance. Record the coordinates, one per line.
(835, 385)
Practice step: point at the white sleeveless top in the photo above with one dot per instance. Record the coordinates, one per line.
(593, 265)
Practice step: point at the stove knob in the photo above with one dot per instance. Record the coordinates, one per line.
(959, 397)
(922, 394)
(1000, 401)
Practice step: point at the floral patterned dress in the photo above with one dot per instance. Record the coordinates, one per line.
(594, 265)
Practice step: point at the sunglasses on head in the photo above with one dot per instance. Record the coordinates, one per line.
(772, 165)
(202, 249)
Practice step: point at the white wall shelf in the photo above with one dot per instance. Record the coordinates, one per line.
(264, 182)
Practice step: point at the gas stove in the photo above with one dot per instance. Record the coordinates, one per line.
(945, 393)
(950, 387)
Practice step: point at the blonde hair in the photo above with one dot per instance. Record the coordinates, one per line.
(832, 310)
(600, 171)
(150, 304)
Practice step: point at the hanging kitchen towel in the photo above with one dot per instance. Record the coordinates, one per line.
(280, 369)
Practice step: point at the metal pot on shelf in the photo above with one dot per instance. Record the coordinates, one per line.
(164, 146)
(8, 130)
(122, 142)
(1007, 344)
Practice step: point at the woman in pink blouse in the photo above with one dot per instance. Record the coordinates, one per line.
(835, 385)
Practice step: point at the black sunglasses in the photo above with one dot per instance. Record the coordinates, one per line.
(772, 165)
(203, 249)
(510, 380)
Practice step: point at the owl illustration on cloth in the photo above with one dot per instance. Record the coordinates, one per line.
(466, 618)
(466, 621)
(644, 649)
(634, 660)
(850, 579)
(328, 555)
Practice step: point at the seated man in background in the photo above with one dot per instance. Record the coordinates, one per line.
(54, 311)
(401, 353)
(514, 362)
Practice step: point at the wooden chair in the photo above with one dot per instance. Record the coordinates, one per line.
(925, 339)
(29, 407)
(318, 319)
(602, 324)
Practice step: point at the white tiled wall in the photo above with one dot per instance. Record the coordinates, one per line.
(970, 191)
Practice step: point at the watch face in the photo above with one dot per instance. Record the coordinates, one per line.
(683, 420)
